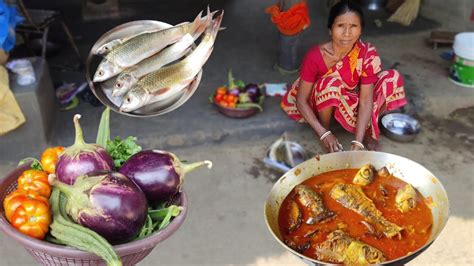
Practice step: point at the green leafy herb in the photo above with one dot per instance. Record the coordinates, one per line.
(121, 150)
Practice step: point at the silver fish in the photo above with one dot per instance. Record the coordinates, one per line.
(169, 80)
(148, 44)
(107, 47)
(130, 77)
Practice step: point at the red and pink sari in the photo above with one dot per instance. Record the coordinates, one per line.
(339, 88)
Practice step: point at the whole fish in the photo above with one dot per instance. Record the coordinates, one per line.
(364, 176)
(339, 247)
(353, 198)
(294, 216)
(130, 77)
(146, 45)
(169, 80)
(109, 46)
(405, 200)
(313, 201)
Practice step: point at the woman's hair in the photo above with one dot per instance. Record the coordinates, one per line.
(343, 7)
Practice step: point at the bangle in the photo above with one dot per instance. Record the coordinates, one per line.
(323, 136)
(357, 143)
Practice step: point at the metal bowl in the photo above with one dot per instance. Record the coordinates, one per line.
(407, 170)
(103, 90)
(400, 127)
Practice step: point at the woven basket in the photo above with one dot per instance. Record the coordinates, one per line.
(52, 254)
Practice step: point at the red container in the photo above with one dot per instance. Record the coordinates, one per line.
(52, 254)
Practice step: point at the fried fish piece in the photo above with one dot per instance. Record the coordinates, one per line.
(405, 200)
(364, 176)
(342, 248)
(353, 198)
(295, 216)
(313, 201)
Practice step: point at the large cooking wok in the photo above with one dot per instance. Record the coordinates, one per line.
(409, 171)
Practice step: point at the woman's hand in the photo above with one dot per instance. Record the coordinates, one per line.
(356, 148)
(331, 144)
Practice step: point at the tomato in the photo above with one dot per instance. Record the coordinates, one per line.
(231, 99)
(32, 218)
(218, 98)
(35, 180)
(221, 90)
(49, 158)
(13, 200)
(232, 105)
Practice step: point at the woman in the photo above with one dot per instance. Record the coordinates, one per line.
(343, 77)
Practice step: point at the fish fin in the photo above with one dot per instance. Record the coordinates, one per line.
(198, 26)
(216, 25)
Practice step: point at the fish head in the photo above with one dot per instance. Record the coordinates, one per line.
(106, 48)
(133, 100)
(106, 70)
(124, 83)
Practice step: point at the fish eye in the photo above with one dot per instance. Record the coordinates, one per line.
(128, 99)
(101, 72)
(118, 85)
(106, 48)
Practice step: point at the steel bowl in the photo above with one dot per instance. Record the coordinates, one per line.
(407, 170)
(48, 253)
(400, 127)
(103, 90)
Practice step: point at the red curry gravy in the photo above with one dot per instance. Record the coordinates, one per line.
(417, 222)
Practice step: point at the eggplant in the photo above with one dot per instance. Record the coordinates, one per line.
(158, 173)
(253, 92)
(81, 158)
(108, 203)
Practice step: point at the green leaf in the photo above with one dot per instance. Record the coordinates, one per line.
(121, 150)
(34, 163)
(103, 133)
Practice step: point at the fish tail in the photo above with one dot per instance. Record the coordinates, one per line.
(215, 25)
(199, 25)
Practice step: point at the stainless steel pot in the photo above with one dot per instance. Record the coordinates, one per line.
(407, 170)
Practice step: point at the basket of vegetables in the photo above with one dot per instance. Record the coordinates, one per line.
(94, 204)
(237, 99)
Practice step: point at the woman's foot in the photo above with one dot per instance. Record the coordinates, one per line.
(371, 144)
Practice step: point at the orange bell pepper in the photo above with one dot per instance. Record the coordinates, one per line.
(32, 218)
(35, 180)
(221, 90)
(13, 200)
(49, 158)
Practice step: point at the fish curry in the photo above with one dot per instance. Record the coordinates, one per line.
(334, 217)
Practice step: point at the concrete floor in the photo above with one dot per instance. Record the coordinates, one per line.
(225, 222)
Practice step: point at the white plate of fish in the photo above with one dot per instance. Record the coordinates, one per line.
(148, 68)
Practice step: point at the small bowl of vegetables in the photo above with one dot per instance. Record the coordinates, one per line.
(237, 99)
(108, 202)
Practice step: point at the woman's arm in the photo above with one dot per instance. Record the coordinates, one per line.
(329, 142)
(366, 102)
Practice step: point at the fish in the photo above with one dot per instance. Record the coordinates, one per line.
(109, 46)
(383, 172)
(130, 77)
(405, 200)
(295, 216)
(364, 176)
(169, 80)
(313, 201)
(352, 197)
(339, 247)
(148, 44)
